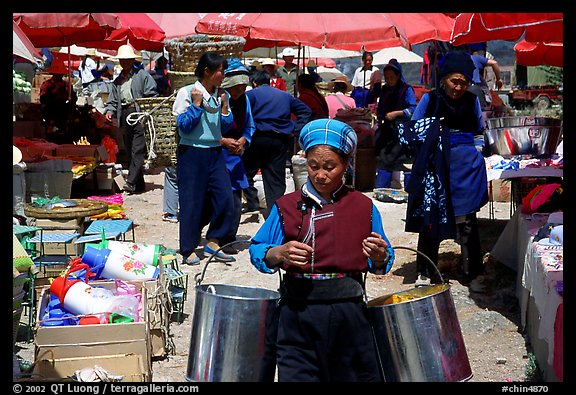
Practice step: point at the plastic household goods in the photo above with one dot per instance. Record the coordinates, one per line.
(76, 295)
(55, 315)
(141, 252)
(80, 298)
(118, 266)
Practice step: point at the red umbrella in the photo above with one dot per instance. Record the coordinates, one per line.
(22, 46)
(539, 53)
(326, 62)
(176, 24)
(423, 27)
(138, 30)
(480, 27)
(65, 29)
(352, 31)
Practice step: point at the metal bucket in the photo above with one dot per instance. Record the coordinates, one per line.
(523, 135)
(228, 332)
(418, 336)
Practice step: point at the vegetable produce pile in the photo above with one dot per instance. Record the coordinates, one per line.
(19, 83)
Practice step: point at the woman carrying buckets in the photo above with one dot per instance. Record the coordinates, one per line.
(325, 236)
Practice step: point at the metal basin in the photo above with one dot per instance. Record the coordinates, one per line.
(525, 135)
(418, 336)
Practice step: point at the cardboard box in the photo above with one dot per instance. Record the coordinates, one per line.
(54, 183)
(105, 177)
(78, 150)
(500, 191)
(54, 343)
(29, 129)
(131, 366)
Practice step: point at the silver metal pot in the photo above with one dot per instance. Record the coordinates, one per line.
(523, 135)
(228, 333)
(418, 336)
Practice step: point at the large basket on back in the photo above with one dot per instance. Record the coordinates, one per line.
(162, 138)
(186, 51)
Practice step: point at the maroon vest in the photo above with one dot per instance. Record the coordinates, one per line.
(339, 230)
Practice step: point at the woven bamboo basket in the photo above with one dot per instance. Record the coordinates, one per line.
(186, 51)
(164, 133)
(179, 79)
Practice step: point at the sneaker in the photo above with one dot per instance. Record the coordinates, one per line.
(191, 260)
(169, 218)
(219, 256)
(422, 281)
(130, 188)
(246, 210)
(230, 250)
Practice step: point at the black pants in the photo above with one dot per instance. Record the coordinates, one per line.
(326, 342)
(471, 252)
(136, 149)
(267, 152)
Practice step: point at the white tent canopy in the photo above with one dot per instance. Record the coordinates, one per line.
(401, 54)
(81, 51)
(305, 51)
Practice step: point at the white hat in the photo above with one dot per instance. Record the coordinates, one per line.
(16, 155)
(288, 52)
(126, 52)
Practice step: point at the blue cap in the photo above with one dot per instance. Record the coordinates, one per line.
(94, 257)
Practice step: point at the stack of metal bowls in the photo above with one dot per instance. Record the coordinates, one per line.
(523, 135)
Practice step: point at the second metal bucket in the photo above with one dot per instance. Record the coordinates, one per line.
(228, 332)
(419, 337)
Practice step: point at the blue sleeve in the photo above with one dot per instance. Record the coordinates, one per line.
(421, 107)
(410, 102)
(226, 121)
(270, 234)
(189, 119)
(303, 114)
(249, 127)
(378, 228)
(479, 116)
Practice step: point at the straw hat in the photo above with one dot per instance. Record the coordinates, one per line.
(126, 52)
(268, 62)
(57, 67)
(256, 64)
(91, 52)
(16, 155)
(343, 79)
(311, 63)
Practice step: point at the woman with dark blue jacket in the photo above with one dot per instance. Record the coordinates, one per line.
(448, 185)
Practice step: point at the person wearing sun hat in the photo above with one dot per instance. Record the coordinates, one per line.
(132, 83)
(339, 87)
(325, 237)
(54, 105)
(290, 70)
(448, 183)
(275, 80)
(311, 66)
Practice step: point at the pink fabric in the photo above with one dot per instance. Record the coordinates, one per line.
(334, 104)
(558, 363)
(537, 197)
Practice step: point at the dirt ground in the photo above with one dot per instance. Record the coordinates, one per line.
(489, 319)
